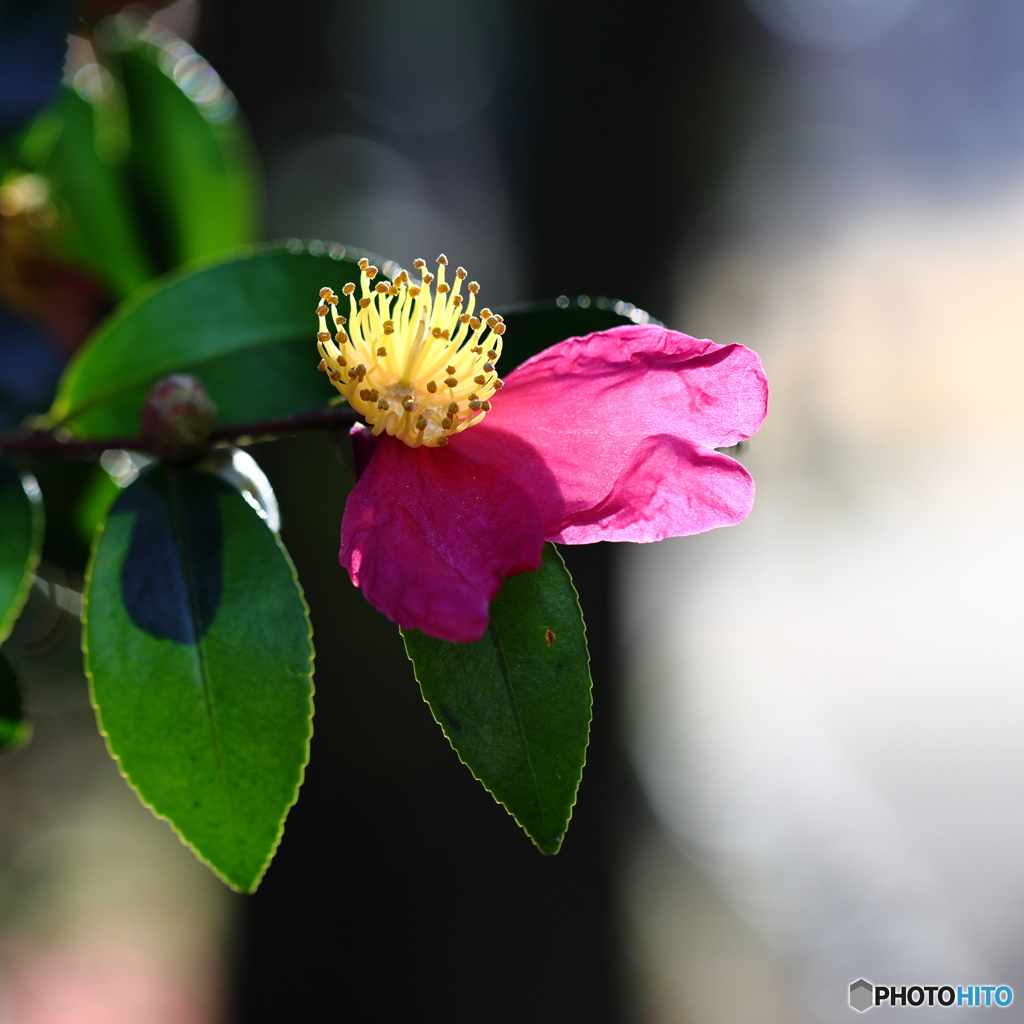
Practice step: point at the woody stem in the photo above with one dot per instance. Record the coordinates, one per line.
(46, 445)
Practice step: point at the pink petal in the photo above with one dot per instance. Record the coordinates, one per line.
(614, 434)
(429, 536)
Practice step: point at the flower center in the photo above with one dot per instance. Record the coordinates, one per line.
(415, 363)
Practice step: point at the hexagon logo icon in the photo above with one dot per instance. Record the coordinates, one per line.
(861, 995)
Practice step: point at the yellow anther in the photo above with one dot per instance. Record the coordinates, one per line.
(404, 337)
(363, 263)
(498, 329)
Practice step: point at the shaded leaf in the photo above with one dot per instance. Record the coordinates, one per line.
(534, 326)
(21, 536)
(199, 658)
(190, 151)
(245, 327)
(515, 705)
(14, 729)
(97, 224)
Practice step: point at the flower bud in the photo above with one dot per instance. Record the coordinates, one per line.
(177, 417)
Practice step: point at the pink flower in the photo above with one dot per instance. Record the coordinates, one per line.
(607, 437)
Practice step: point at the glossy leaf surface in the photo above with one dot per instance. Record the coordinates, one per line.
(245, 327)
(199, 657)
(534, 326)
(191, 154)
(21, 529)
(515, 705)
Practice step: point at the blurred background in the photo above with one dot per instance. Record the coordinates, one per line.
(805, 766)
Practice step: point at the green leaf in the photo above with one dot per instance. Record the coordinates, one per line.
(198, 653)
(21, 538)
(191, 153)
(96, 224)
(14, 729)
(534, 326)
(515, 705)
(245, 326)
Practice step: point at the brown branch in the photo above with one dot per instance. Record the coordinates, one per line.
(45, 445)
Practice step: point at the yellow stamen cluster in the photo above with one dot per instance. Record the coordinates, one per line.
(414, 362)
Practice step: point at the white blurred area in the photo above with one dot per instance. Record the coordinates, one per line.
(826, 702)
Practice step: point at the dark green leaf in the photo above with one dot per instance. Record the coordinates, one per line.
(21, 536)
(190, 151)
(245, 327)
(515, 705)
(14, 729)
(534, 326)
(96, 224)
(199, 657)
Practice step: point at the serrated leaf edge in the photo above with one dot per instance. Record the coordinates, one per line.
(124, 775)
(583, 765)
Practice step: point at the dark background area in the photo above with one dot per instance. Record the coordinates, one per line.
(402, 891)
